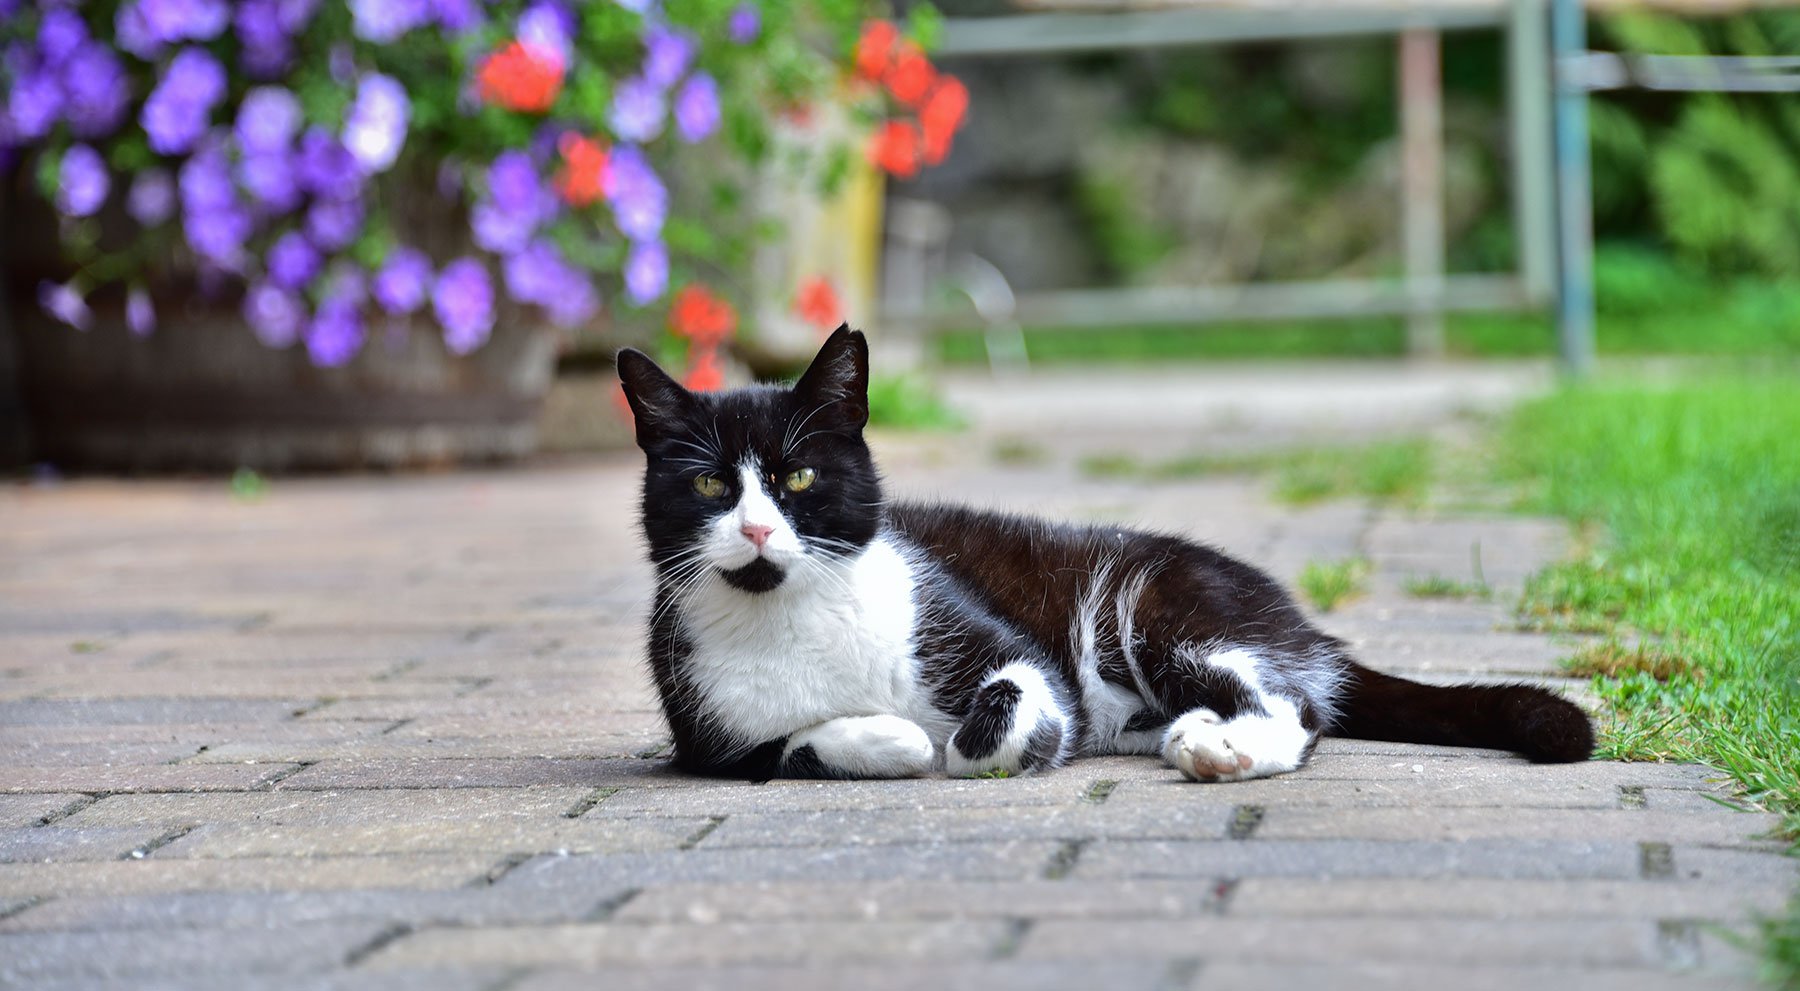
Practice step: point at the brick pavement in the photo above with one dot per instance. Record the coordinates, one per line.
(392, 733)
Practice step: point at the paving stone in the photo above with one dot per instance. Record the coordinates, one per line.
(703, 904)
(481, 905)
(1636, 826)
(1568, 942)
(194, 734)
(848, 828)
(1365, 975)
(58, 843)
(537, 835)
(473, 773)
(110, 712)
(1358, 858)
(26, 958)
(424, 871)
(1482, 898)
(915, 976)
(332, 808)
(1000, 860)
(28, 810)
(1062, 787)
(600, 945)
(397, 747)
(411, 979)
(140, 778)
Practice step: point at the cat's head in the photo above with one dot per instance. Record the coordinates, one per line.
(758, 485)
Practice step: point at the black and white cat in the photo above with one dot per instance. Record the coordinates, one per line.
(805, 627)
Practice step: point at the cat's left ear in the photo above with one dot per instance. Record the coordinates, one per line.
(837, 381)
(659, 404)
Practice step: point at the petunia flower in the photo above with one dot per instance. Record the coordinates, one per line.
(463, 298)
(401, 283)
(384, 21)
(293, 262)
(637, 110)
(335, 334)
(152, 197)
(273, 314)
(639, 200)
(697, 108)
(267, 119)
(666, 56)
(140, 312)
(64, 302)
(82, 183)
(646, 272)
(96, 91)
(744, 24)
(376, 128)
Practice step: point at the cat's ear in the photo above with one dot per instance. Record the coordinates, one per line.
(837, 381)
(659, 404)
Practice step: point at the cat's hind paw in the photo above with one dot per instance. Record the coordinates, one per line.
(1015, 724)
(1206, 748)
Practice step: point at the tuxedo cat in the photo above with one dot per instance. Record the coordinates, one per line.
(803, 626)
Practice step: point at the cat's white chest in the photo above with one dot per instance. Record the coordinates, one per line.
(817, 647)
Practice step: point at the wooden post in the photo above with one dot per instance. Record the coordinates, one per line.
(1574, 193)
(1422, 188)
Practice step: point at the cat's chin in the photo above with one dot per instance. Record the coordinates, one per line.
(760, 575)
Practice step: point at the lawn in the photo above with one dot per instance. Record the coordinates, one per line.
(1693, 491)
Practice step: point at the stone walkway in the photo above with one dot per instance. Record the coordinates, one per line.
(393, 733)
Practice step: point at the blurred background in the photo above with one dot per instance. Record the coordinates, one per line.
(984, 187)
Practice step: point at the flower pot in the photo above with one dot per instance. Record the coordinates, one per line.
(203, 393)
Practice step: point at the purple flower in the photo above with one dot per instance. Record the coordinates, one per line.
(274, 315)
(401, 282)
(267, 119)
(536, 274)
(576, 304)
(218, 235)
(376, 127)
(666, 56)
(639, 200)
(132, 32)
(517, 202)
(178, 109)
(637, 111)
(382, 21)
(206, 182)
(82, 184)
(463, 299)
(34, 105)
(152, 197)
(697, 108)
(258, 24)
(332, 224)
(325, 167)
(96, 91)
(498, 231)
(64, 302)
(59, 34)
(293, 262)
(140, 313)
(636, 6)
(745, 24)
(456, 16)
(646, 272)
(295, 14)
(178, 20)
(269, 177)
(547, 28)
(335, 334)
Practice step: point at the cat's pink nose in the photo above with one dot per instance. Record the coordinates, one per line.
(757, 534)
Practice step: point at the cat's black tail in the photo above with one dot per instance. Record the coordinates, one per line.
(1522, 718)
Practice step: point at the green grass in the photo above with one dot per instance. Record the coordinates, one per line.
(1329, 584)
(1383, 472)
(1440, 587)
(904, 402)
(1696, 487)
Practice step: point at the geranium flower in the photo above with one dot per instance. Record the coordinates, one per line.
(82, 183)
(701, 316)
(895, 148)
(646, 272)
(941, 116)
(463, 298)
(817, 303)
(583, 178)
(520, 78)
(697, 108)
(875, 48)
(705, 375)
(910, 75)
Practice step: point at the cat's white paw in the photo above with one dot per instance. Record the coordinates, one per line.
(1206, 748)
(867, 746)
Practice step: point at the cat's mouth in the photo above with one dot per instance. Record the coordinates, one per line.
(760, 575)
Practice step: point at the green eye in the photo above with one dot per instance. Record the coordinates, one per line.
(710, 486)
(801, 480)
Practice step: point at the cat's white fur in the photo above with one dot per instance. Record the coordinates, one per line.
(827, 659)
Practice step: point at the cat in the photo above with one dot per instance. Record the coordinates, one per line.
(805, 627)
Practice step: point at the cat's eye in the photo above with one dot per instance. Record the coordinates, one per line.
(801, 479)
(710, 486)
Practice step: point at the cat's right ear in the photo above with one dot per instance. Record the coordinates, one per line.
(659, 404)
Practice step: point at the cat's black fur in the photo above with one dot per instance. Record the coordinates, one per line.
(1113, 640)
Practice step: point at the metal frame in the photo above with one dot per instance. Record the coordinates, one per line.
(1425, 293)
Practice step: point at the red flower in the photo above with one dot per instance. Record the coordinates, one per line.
(895, 148)
(874, 48)
(518, 77)
(582, 179)
(910, 75)
(817, 303)
(705, 375)
(702, 317)
(942, 115)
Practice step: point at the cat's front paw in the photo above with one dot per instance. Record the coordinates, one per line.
(1014, 724)
(864, 747)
